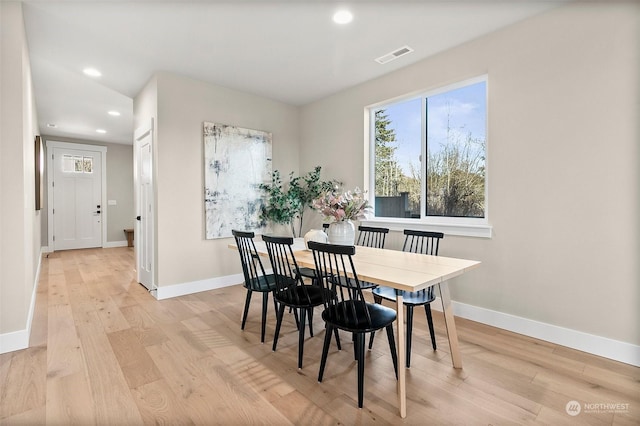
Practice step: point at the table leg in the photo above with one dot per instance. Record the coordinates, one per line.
(402, 385)
(452, 333)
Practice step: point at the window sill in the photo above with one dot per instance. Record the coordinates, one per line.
(463, 230)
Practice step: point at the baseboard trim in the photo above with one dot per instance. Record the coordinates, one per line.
(17, 340)
(112, 244)
(167, 292)
(109, 244)
(595, 345)
(14, 341)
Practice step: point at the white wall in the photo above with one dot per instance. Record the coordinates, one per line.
(19, 222)
(562, 164)
(183, 104)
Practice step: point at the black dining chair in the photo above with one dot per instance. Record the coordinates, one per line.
(423, 242)
(310, 272)
(290, 290)
(346, 308)
(255, 278)
(370, 236)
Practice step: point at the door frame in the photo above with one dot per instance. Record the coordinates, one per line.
(51, 145)
(138, 134)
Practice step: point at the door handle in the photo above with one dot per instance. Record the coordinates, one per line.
(137, 217)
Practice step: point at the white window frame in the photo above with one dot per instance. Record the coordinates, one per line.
(462, 226)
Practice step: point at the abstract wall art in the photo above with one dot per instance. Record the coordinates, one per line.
(236, 162)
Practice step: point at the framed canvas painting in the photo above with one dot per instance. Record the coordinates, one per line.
(236, 162)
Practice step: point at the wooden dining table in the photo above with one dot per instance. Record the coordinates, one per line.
(402, 271)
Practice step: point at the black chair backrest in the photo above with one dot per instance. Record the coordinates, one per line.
(370, 236)
(424, 242)
(285, 270)
(334, 264)
(254, 274)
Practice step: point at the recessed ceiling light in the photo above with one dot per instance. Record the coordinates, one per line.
(51, 125)
(92, 72)
(101, 131)
(114, 113)
(342, 17)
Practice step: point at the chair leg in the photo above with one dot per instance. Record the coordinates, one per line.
(303, 316)
(354, 337)
(325, 351)
(392, 346)
(246, 308)
(359, 343)
(409, 332)
(427, 309)
(310, 321)
(377, 299)
(279, 316)
(373, 334)
(337, 339)
(295, 315)
(265, 304)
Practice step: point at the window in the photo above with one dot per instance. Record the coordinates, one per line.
(446, 128)
(77, 164)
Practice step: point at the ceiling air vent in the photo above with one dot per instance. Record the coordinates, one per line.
(394, 55)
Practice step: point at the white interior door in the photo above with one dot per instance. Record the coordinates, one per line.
(77, 209)
(144, 205)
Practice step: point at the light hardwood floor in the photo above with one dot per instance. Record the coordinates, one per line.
(104, 351)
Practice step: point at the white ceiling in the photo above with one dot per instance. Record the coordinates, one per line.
(289, 50)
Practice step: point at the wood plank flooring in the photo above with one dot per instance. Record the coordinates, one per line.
(104, 351)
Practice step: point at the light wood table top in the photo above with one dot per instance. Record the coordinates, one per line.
(398, 269)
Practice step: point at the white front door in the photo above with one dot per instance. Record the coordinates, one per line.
(77, 209)
(144, 205)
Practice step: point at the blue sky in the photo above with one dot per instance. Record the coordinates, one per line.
(467, 108)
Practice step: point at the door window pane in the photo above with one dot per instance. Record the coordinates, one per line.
(88, 164)
(77, 164)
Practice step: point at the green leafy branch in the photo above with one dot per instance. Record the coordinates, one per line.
(286, 203)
